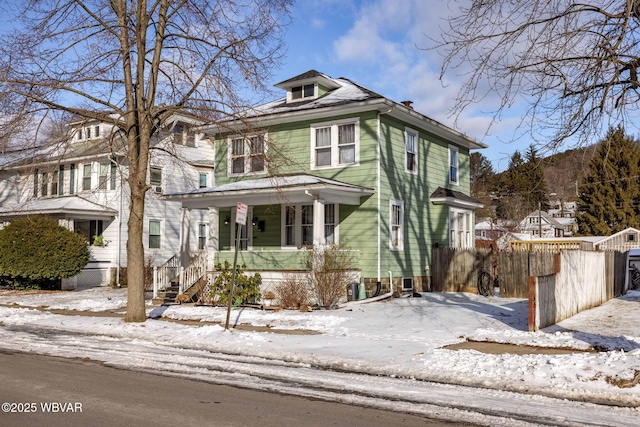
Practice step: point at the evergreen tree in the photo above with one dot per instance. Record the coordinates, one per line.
(536, 189)
(609, 194)
(523, 188)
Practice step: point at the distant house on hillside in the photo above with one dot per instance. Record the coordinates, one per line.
(541, 224)
(620, 241)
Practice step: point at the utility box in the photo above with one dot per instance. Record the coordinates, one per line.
(353, 291)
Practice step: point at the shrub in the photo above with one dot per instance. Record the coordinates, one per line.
(246, 290)
(38, 252)
(292, 291)
(331, 269)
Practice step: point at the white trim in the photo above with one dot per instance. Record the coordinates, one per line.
(397, 245)
(453, 148)
(335, 150)
(409, 288)
(319, 237)
(416, 145)
(302, 98)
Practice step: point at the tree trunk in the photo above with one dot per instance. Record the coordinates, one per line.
(135, 258)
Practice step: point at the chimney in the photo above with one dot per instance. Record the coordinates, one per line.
(408, 104)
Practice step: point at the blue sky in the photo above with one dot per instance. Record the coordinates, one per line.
(376, 44)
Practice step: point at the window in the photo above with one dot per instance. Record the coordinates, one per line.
(407, 283)
(155, 176)
(112, 176)
(302, 92)
(35, 183)
(247, 155)
(45, 184)
(79, 134)
(104, 176)
(154, 234)
(411, 148)
(72, 179)
(290, 226)
(631, 237)
(203, 180)
(330, 224)
(453, 165)
(61, 180)
(97, 131)
(256, 147)
(88, 133)
(86, 177)
(202, 236)
(307, 224)
(335, 144)
(396, 225)
(54, 183)
(460, 228)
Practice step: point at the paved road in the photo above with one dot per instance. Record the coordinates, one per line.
(95, 395)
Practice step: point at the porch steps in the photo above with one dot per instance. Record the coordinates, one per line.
(168, 296)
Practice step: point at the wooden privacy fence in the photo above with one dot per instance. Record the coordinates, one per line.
(514, 268)
(456, 270)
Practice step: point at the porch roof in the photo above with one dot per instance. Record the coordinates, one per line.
(273, 190)
(70, 207)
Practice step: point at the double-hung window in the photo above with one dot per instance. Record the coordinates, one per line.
(396, 225)
(202, 183)
(45, 184)
(247, 155)
(411, 149)
(335, 144)
(202, 235)
(155, 235)
(61, 180)
(72, 179)
(104, 176)
(86, 177)
(453, 165)
(302, 92)
(55, 176)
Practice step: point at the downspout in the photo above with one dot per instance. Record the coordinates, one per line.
(378, 180)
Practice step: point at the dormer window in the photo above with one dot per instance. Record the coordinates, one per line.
(302, 92)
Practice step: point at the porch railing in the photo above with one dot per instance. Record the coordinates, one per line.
(190, 275)
(164, 274)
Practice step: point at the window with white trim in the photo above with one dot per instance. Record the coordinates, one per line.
(335, 144)
(86, 177)
(460, 228)
(411, 150)
(202, 235)
(407, 283)
(245, 234)
(104, 176)
(453, 165)
(202, 183)
(299, 93)
(298, 225)
(55, 177)
(155, 176)
(155, 234)
(247, 155)
(396, 225)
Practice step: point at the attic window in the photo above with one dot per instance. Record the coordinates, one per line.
(631, 237)
(302, 92)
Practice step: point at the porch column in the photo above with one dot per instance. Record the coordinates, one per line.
(213, 242)
(318, 222)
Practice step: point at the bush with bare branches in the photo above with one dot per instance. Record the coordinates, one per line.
(331, 269)
(292, 291)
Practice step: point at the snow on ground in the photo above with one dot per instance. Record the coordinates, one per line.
(398, 338)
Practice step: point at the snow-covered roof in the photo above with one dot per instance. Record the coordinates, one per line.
(66, 206)
(270, 190)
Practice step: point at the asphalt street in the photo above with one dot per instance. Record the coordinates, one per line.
(48, 391)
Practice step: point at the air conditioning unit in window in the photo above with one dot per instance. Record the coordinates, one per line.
(157, 189)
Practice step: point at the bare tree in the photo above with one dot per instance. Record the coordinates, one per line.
(575, 64)
(134, 64)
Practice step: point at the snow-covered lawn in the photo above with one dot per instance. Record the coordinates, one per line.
(400, 338)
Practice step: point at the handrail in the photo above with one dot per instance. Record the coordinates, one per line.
(164, 274)
(190, 275)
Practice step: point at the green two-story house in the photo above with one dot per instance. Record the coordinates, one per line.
(335, 163)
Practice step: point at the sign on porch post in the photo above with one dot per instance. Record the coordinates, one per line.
(241, 219)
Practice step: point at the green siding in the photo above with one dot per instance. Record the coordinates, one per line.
(425, 224)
